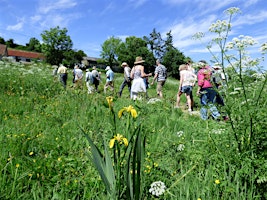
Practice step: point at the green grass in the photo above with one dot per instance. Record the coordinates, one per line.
(44, 153)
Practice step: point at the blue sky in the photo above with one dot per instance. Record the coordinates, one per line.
(91, 22)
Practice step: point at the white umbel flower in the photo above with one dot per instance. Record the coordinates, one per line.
(157, 188)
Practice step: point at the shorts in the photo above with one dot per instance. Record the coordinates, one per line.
(160, 85)
(187, 89)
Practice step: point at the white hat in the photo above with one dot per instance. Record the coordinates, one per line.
(217, 67)
(107, 68)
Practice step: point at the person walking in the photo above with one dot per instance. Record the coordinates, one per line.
(109, 79)
(78, 76)
(127, 78)
(95, 78)
(63, 73)
(187, 79)
(89, 81)
(137, 74)
(206, 92)
(160, 76)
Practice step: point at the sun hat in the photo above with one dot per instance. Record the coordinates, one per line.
(107, 68)
(138, 60)
(124, 64)
(217, 67)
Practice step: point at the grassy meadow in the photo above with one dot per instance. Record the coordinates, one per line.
(44, 153)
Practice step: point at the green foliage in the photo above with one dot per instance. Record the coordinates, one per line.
(110, 50)
(56, 43)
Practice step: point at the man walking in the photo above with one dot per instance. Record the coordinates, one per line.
(63, 73)
(127, 79)
(161, 76)
(109, 79)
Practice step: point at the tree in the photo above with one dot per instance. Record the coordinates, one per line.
(133, 47)
(155, 43)
(73, 57)
(33, 45)
(56, 43)
(10, 43)
(2, 40)
(172, 57)
(110, 50)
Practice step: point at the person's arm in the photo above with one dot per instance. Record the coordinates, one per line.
(200, 78)
(132, 73)
(181, 82)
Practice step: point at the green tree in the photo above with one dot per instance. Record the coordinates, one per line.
(110, 49)
(73, 57)
(172, 57)
(133, 47)
(33, 45)
(10, 43)
(56, 44)
(155, 43)
(2, 40)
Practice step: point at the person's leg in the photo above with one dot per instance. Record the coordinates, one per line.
(203, 109)
(188, 102)
(123, 84)
(178, 98)
(214, 111)
(159, 89)
(192, 99)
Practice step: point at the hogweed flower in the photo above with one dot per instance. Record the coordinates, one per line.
(263, 48)
(157, 188)
(129, 109)
(120, 139)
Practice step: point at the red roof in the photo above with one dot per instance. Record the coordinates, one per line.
(25, 54)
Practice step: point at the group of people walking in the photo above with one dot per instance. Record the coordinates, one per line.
(136, 81)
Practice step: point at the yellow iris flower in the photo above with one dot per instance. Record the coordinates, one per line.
(129, 109)
(120, 139)
(110, 101)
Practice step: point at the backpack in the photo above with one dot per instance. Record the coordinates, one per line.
(164, 72)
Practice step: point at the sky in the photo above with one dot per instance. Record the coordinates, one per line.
(91, 22)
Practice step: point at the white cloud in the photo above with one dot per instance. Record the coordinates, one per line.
(15, 27)
(36, 18)
(47, 6)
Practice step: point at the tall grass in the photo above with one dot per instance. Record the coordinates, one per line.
(44, 154)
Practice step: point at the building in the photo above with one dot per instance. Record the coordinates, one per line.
(20, 55)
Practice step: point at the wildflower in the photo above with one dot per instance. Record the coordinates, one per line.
(59, 159)
(17, 165)
(180, 133)
(180, 147)
(198, 198)
(118, 138)
(217, 181)
(129, 109)
(157, 188)
(31, 153)
(109, 100)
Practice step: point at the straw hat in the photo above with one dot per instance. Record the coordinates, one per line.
(124, 64)
(139, 60)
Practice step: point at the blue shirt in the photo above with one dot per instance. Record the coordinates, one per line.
(110, 75)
